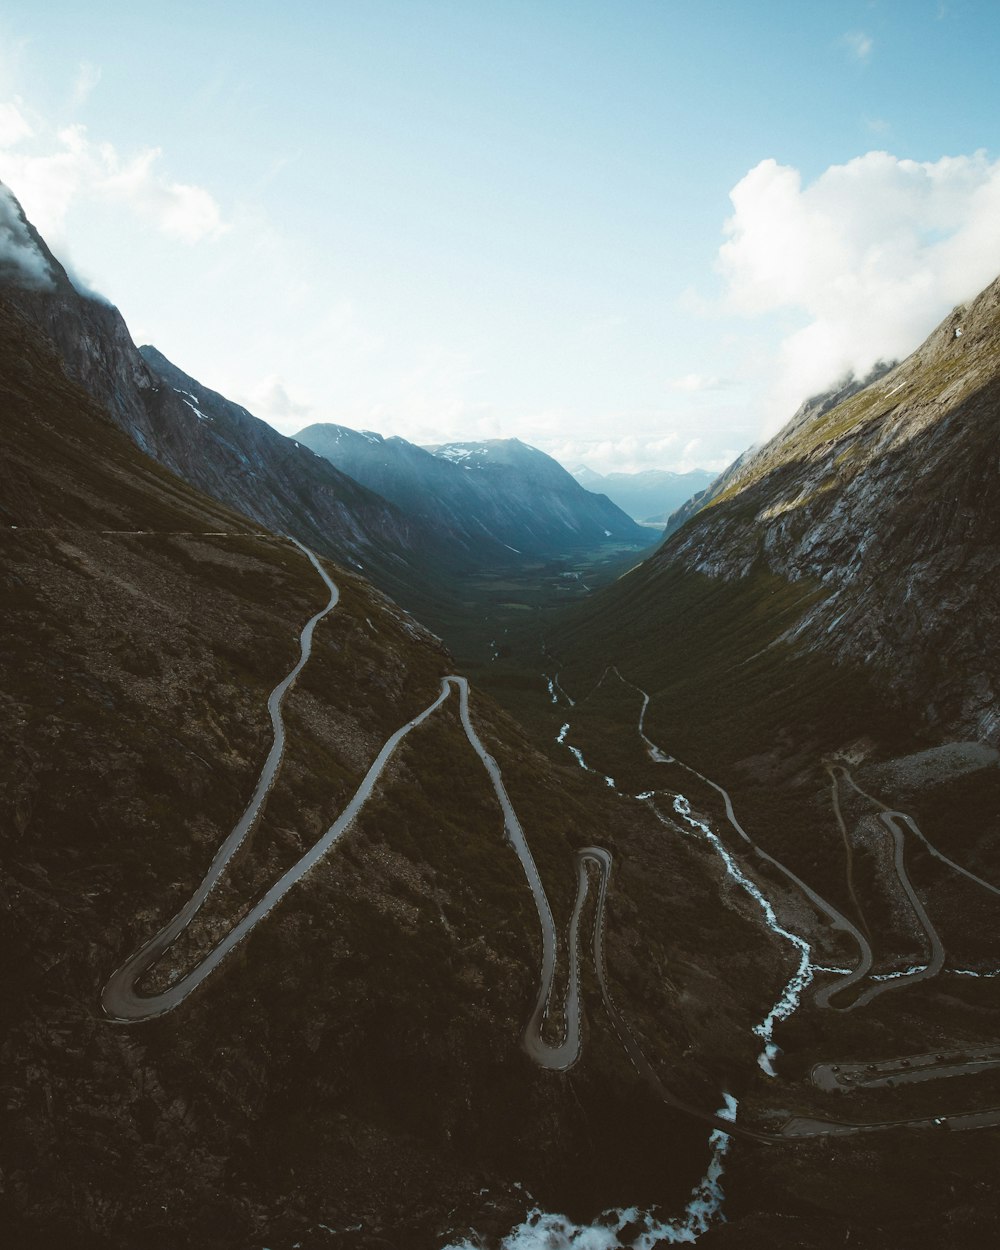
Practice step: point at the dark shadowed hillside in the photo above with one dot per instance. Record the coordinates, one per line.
(357, 1062)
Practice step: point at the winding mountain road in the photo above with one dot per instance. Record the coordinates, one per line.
(123, 1003)
(917, 832)
(897, 823)
(905, 1071)
(936, 961)
(848, 849)
(899, 1070)
(836, 918)
(120, 1000)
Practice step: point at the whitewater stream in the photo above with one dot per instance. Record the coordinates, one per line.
(542, 1230)
(803, 974)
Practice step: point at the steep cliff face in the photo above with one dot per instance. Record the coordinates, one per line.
(890, 502)
(223, 450)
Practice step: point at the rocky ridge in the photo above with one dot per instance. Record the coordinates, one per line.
(213, 444)
(889, 501)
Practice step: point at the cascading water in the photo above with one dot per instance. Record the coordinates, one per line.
(548, 1231)
(800, 979)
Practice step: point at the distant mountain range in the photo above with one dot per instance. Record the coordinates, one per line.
(491, 499)
(649, 496)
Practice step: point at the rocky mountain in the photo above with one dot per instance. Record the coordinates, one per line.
(864, 538)
(587, 477)
(651, 495)
(213, 444)
(811, 409)
(889, 501)
(492, 499)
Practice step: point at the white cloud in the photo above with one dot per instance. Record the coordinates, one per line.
(624, 455)
(14, 126)
(270, 398)
(21, 260)
(432, 394)
(860, 45)
(181, 211)
(63, 166)
(870, 256)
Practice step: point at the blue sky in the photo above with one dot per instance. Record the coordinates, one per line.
(470, 219)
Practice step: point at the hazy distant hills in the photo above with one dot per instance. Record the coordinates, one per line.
(493, 498)
(647, 496)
